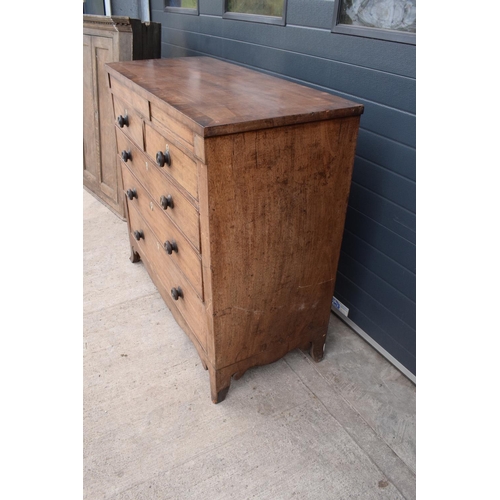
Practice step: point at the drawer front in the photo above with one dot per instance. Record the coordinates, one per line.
(182, 168)
(186, 257)
(139, 103)
(173, 125)
(189, 305)
(184, 214)
(129, 122)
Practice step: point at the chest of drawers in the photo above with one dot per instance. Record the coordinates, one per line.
(236, 185)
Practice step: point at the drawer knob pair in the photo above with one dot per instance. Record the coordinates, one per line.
(138, 235)
(176, 293)
(131, 194)
(126, 155)
(166, 201)
(170, 247)
(163, 157)
(122, 121)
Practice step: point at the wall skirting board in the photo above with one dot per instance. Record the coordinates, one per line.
(376, 346)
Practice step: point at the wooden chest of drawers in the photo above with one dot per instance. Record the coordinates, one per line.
(237, 186)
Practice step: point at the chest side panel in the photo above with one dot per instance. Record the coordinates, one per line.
(276, 208)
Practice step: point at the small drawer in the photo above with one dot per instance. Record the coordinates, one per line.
(170, 158)
(184, 214)
(183, 295)
(177, 248)
(129, 122)
(177, 128)
(139, 103)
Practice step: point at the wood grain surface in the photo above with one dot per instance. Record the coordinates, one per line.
(277, 200)
(220, 98)
(182, 168)
(159, 183)
(186, 258)
(134, 128)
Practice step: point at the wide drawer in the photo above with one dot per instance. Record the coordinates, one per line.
(129, 121)
(182, 253)
(188, 303)
(180, 166)
(184, 214)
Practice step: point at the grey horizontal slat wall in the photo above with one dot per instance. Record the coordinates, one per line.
(376, 278)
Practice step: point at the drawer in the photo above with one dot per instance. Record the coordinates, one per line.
(189, 305)
(184, 214)
(129, 121)
(182, 168)
(186, 257)
(139, 103)
(177, 128)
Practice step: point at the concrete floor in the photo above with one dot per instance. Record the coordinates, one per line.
(342, 428)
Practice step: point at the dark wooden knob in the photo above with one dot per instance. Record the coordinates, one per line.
(162, 158)
(138, 235)
(131, 194)
(126, 156)
(166, 201)
(122, 121)
(170, 246)
(176, 293)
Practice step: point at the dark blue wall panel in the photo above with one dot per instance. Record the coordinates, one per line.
(376, 278)
(379, 237)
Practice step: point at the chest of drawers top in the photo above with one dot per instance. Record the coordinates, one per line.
(213, 97)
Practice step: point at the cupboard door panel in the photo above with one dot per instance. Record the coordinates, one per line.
(103, 50)
(90, 159)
